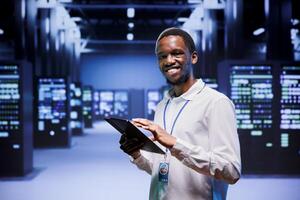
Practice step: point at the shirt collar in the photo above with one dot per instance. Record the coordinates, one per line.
(191, 93)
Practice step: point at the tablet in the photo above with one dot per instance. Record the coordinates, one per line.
(131, 131)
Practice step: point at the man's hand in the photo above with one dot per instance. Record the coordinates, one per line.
(130, 146)
(159, 134)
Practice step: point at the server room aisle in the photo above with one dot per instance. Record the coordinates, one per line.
(92, 169)
(95, 169)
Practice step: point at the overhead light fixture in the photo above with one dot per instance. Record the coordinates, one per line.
(267, 7)
(47, 25)
(194, 1)
(87, 50)
(258, 31)
(130, 36)
(1, 31)
(295, 22)
(76, 19)
(65, 1)
(130, 12)
(56, 44)
(130, 25)
(234, 9)
(23, 9)
(182, 19)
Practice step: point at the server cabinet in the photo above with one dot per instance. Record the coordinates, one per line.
(16, 102)
(121, 104)
(76, 117)
(106, 104)
(153, 97)
(52, 112)
(211, 82)
(266, 95)
(289, 137)
(87, 100)
(96, 101)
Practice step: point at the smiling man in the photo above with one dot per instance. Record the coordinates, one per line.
(195, 124)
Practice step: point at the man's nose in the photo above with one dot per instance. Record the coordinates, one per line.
(170, 59)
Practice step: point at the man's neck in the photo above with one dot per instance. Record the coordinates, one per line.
(182, 88)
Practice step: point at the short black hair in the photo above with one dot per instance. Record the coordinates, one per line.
(187, 38)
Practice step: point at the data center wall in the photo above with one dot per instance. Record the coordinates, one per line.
(121, 71)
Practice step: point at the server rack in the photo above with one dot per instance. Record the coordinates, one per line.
(87, 100)
(52, 112)
(266, 95)
(76, 117)
(106, 103)
(121, 104)
(16, 103)
(153, 97)
(96, 102)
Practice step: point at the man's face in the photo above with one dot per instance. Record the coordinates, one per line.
(175, 60)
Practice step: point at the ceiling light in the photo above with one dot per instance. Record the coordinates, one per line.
(65, 1)
(1, 31)
(234, 9)
(23, 9)
(267, 7)
(56, 44)
(258, 31)
(76, 19)
(87, 50)
(130, 12)
(295, 22)
(194, 1)
(130, 36)
(182, 19)
(130, 25)
(47, 25)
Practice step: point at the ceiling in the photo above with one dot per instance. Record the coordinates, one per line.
(6, 20)
(107, 21)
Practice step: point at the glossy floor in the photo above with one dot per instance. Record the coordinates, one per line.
(95, 169)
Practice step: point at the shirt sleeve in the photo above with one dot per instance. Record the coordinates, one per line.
(222, 160)
(143, 163)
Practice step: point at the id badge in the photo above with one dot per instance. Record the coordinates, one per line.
(163, 172)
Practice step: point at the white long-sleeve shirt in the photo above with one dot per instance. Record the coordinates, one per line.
(206, 156)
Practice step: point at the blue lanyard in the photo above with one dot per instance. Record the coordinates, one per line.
(165, 127)
(180, 111)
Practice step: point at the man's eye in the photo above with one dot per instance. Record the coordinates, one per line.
(162, 56)
(177, 54)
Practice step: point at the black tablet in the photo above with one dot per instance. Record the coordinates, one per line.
(131, 131)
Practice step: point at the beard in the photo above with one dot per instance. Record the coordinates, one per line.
(182, 79)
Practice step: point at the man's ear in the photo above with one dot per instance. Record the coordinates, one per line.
(194, 57)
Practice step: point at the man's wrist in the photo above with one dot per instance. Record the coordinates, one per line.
(136, 155)
(172, 142)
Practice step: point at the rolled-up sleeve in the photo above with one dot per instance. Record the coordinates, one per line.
(222, 160)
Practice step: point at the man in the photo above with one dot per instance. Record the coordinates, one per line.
(195, 125)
